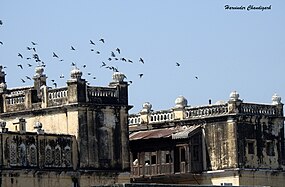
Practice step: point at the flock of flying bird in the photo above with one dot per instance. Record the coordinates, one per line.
(114, 56)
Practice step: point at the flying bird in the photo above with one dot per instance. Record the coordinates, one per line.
(72, 48)
(109, 59)
(52, 80)
(123, 59)
(73, 64)
(20, 55)
(140, 75)
(28, 58)
(98, 52)
(91, 42)
(1, 42)
(141, 60)
(118, 50)
(130, 61)
(54, 55)
(88, 73)
(20, 65)
(34, 49)
(29, 48)
(28, 77)
(23, 81)
(103, 64)
(102, 40)
(34, 43)
(94, 77)
(30, 65)
(92, 49)
(177, 64)
(61, 76)
(1, 22)
(84, 66)
(113, 54)
(196, 77)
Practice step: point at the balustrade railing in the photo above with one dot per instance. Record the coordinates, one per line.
(258, 109)
(101, 92)
(15, 99)
(204, 111)
(161, 116)
(134, 119)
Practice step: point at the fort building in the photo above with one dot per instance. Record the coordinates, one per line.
(225, 143)
(75, 135)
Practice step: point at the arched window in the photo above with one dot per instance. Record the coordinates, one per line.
(57, 155)
(33, 155)
(13, 154)
(22, 155)
(48, 155)
(67, 154)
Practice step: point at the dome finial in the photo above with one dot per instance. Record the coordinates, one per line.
(276, 99)
(234, 96)
(180, 102)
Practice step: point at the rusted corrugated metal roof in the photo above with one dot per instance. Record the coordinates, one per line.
(184, 133)
(174, 133)
(150, 134)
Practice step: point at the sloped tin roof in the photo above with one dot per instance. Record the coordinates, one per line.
(174, 133)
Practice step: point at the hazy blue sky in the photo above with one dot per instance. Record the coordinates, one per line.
(226, 49)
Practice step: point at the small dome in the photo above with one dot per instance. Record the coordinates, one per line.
(146, 107)
(38, 125)
(3, 86)
(276, 99)
(118, 77)
(234, 96)
(180, 102)
(39, 70)
(75, 73)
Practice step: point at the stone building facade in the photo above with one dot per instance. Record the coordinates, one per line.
(226, 143)
(75, 135)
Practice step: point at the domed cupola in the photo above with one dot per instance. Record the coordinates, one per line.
(180, 102)
(276, 99)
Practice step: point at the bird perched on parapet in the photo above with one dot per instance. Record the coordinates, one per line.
(177, 64)
(28, 77)
(72, 48)
(140, 75)
(91, 42)
(20, 55)
(118, 50)
(55, 85)
(20, 65)
(102, 40)
(141, 60)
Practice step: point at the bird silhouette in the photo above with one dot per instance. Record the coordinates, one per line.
(130, 61)
(88, 73)
(91, 42)
(54, 55)
(102, 40)
(28, 58)
(196, 77)
(34, 49)
(28, 77)
(116, 58)
(118, 50)
(92, 49)
(34, 43)
(113, 54)
(140, 75)
(123, 59)
(61, 60)
(141, 60)
(177, 64)
(29, 48)
(130, 82)
(23, 81)
(61, 76)
(1, 42)
(20, 55)
(73, 64)
(55, 85)
(84, 66)
(94, 77)
(103, 64)
(20, 65)
(30, 65)
(1, 22)
(109, 59)
(52, 80)
(72, 48)
(98, 52)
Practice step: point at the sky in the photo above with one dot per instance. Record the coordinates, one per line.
(227, 50)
